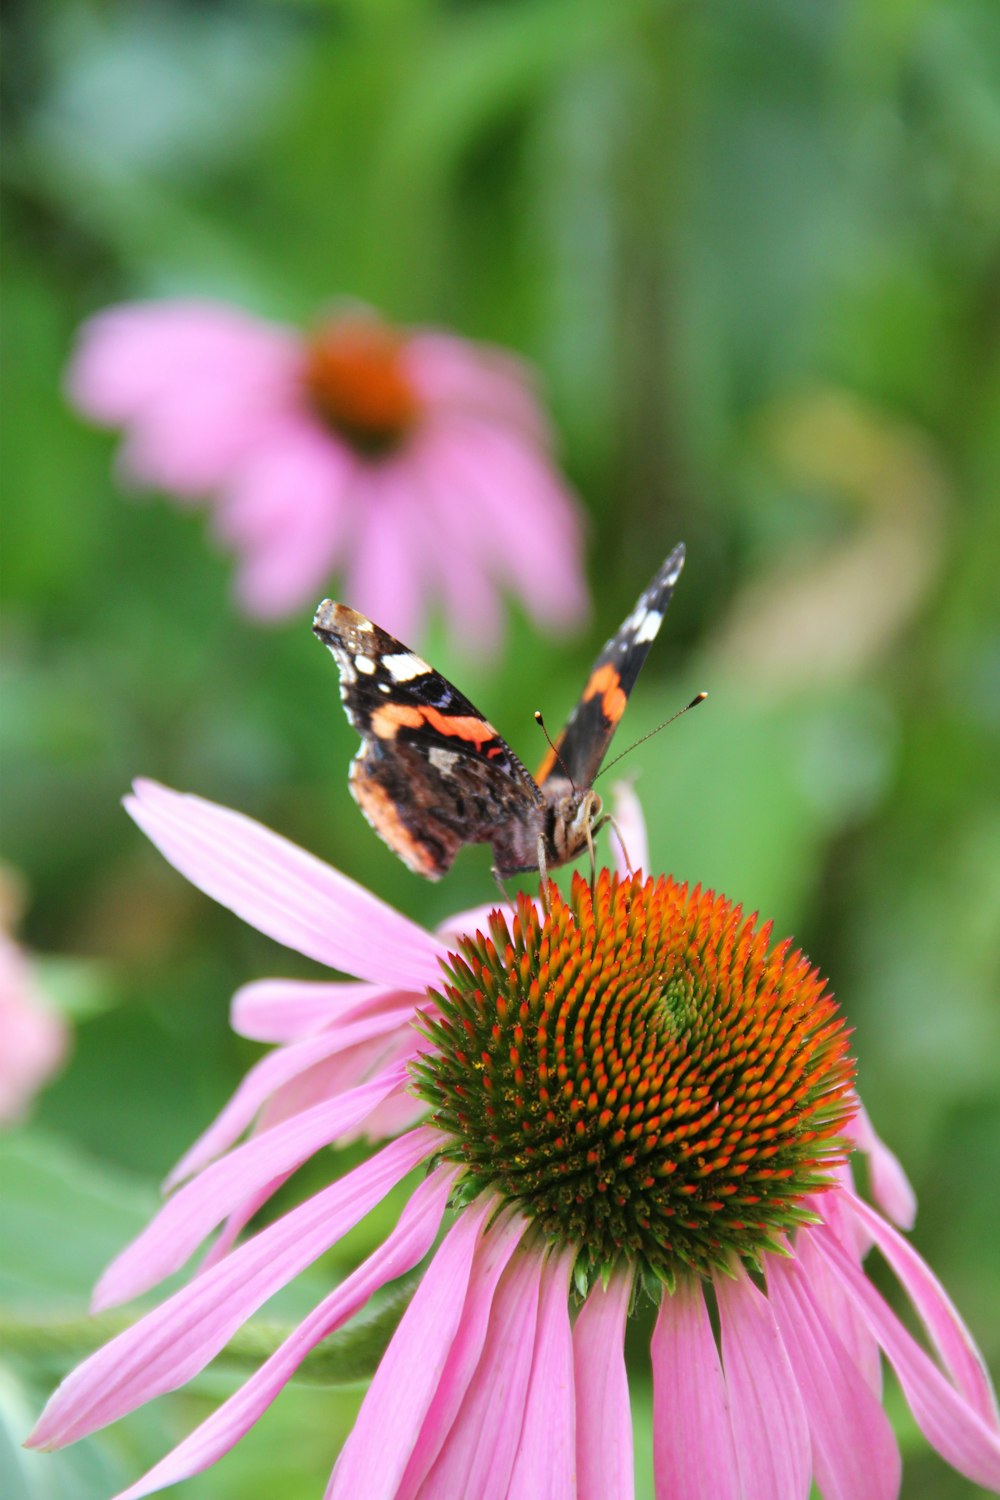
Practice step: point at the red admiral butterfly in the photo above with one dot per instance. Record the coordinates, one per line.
(432, 774)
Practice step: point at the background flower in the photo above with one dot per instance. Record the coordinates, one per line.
(33, 1038)
(692, 1151)
(415, 465)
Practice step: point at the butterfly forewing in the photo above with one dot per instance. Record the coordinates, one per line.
(584, 741)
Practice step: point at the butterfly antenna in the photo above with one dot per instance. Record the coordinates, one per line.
(698, 698)
(548, 740)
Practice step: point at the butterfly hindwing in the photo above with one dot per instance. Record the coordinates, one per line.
(584, 741)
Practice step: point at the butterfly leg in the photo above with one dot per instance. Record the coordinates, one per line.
(503, 889)
(543, 875)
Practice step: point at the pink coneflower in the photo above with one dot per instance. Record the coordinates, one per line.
(33, 1038)
(633, 1095)
(413, 463)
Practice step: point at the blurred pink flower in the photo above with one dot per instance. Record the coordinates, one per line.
(415, 464)
(703, 1150)
(33, 1039)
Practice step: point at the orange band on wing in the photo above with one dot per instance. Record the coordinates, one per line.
(606, 682)
(388, 720)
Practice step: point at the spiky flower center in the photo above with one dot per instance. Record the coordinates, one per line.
(357, 380)
(642, 1073)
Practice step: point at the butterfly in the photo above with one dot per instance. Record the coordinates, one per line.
(433, 774)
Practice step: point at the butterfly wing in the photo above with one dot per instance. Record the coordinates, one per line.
(584, 741)
(432, 774)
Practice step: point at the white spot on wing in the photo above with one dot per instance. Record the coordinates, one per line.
(442, 760)
(649, 625)
(404, 666)
(365, 664)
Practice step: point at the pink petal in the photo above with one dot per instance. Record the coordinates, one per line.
(177, 1339)
(628, 835)
(949, 1423)
(461, 573)
(238, 1220)
(283, 891)
(493, 1252)
(451, 372)
(194, 1211)
(949, 1335)
(191, 439)
(545, 1463)
(604, 1463)
(129, 356)
(268, 1075)
(890, 1186)
(842, 1312)
(693, 1454)
(855, 1456)
(290, 513)
(376, 1453)
(290, 1010)
(770, 1431)
(405, 1247)
(512, 494)
(387, 574)
(478, 1456)
(33, 1039)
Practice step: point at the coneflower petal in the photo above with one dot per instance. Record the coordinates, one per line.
(770, 1431)
(855, 1453)
(693, 1453)
(283, 891)
(604, 1461)
(404, 1248)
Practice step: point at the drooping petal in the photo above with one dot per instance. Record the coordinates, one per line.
(493, 1252)
(604, 1463)
(490, 467)
(290, 514)
(377, 1450)
(195, 1209)
(939, 1315)
(177, 1339)
(264, 1078)
(387, 572)
(404, 1248)
(855, 1454)
(948, 1421)
(283, 891)
(478, 1456)
(770, 1431)
(545, 1462)
(842, 1312)
(890, 1186)
(192, 438)
(693, 1453)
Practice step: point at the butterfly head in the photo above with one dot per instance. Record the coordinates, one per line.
(574, 817)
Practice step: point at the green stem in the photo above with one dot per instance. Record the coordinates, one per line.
(347, 1356)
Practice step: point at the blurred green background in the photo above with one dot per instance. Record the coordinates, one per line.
(754, 248)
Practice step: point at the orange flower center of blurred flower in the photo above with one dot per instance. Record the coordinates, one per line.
(356, 378)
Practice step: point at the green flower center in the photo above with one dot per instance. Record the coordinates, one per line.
(642, 1074)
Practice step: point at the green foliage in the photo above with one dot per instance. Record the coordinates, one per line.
(754, 251)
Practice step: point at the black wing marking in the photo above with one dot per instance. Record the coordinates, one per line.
(584, 741)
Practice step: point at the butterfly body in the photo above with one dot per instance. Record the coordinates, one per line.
(433, 774)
